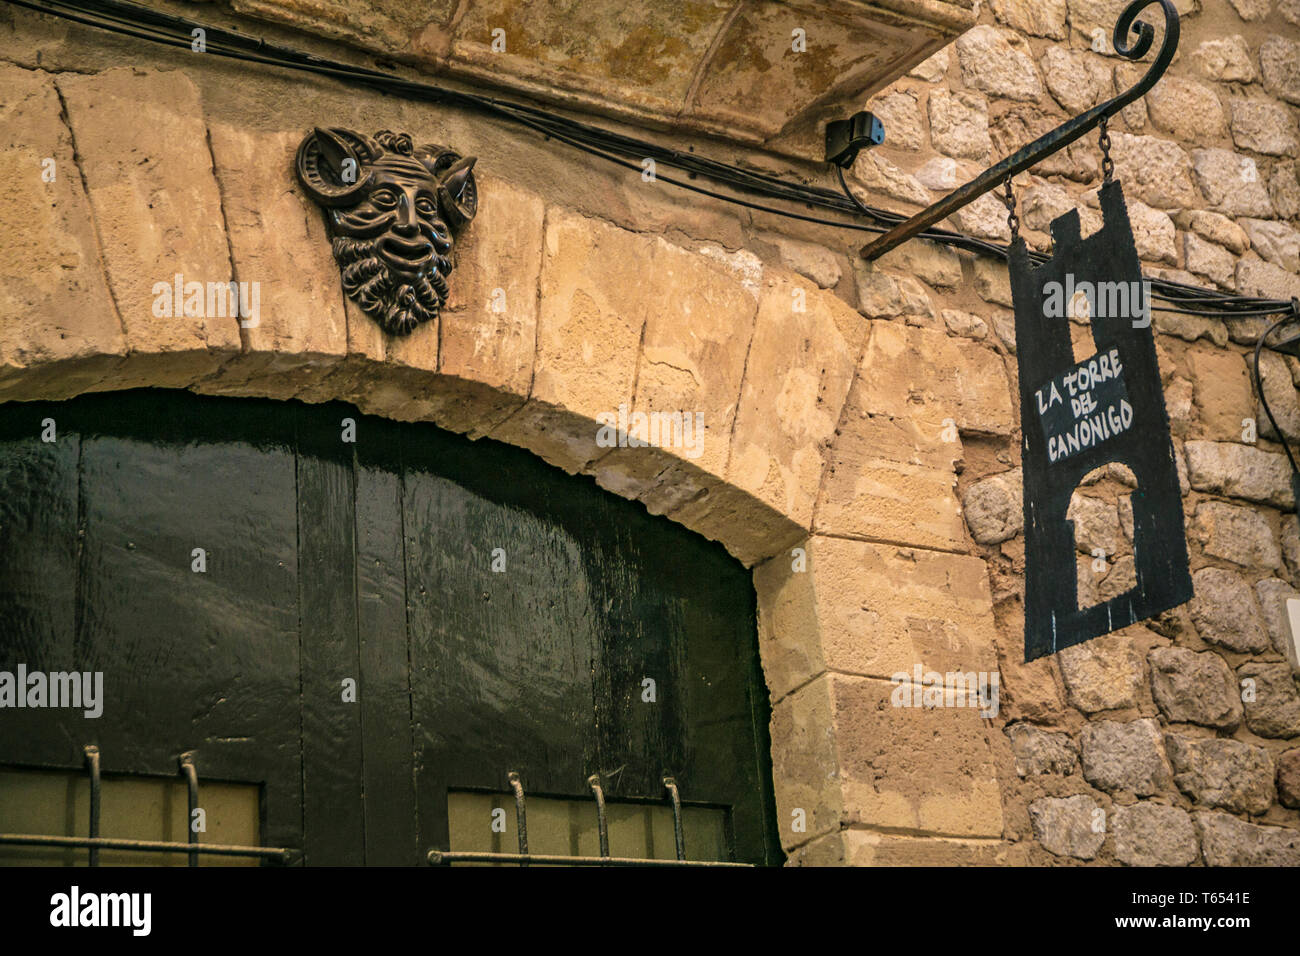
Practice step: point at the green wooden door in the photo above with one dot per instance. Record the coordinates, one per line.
(235, 568)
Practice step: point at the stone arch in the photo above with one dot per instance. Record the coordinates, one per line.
(819, 425)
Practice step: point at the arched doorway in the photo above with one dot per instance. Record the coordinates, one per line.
(370, 624)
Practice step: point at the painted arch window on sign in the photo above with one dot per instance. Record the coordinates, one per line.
(1101, 510)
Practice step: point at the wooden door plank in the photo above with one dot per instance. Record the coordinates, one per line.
(503, 659)
(38, 571)
(193, 660)
(333, 809)
(388, 747)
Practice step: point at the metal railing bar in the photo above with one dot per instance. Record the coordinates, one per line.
(678, 833)
(446, 857)
(602, 823)
(92, 767)
(520, 820)
(192, 786)
(144, 846)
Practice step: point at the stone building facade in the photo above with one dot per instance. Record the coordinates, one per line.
(861, 449)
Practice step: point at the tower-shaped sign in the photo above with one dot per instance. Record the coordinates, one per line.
(1079, 416)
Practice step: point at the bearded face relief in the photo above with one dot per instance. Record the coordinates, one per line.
(391, 208)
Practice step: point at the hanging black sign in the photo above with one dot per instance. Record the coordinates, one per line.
(1078, 416)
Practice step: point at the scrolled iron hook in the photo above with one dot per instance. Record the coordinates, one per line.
(1063, 135)
(1127, 23)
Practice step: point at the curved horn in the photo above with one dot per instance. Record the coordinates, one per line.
(333, 165)
(458, 193)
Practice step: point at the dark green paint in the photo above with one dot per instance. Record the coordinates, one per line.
(370, 560)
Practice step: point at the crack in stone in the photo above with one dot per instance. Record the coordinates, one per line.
(244, 334)
(66, 118)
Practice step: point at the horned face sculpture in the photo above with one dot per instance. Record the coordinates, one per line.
(391, 208)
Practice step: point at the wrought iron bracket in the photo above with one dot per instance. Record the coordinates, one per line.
(1059, 138)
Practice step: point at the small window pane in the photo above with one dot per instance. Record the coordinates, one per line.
(57, 803)
(568, 827)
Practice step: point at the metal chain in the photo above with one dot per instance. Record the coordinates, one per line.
(1009, 200)
(1107, 164)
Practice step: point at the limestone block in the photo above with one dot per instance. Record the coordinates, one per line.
(278, 239)
(1240, 471)
(927, 376)
(158, 212)
(55, 306)
(1064, 826)
(1218, 772)
(1279, 62)
(592, 311)
(1125, 757)
(899, 111)
(1225, 612)
(688, 378)
(994, 61)
(1152, 834)
(1237, 534)
(1231, 182)
(926, 769)
(1228, 841)
(878, 611)
(1273, 593)
(1226, 59)
(959, 124)
(1076, 79)
(1186, 109)
(1039, 751)
(1157, 171)
(928, 261)
(994, 507)
(1040, 18)
(1275, 242)
(1263, 126)
(797, 377)
(1275, 710)
(891, 479)
(1288, 779)
(1101, 674)
(489, 328)
(806, 770)
(1196, 688)
(1219, 229)
(869, 848)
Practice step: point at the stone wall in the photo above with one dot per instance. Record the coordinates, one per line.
(862, 435)
(1136, 747)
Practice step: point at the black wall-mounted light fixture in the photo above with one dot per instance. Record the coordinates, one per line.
(846, 138)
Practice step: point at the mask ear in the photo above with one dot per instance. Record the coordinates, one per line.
(457, 191)
(333, 165)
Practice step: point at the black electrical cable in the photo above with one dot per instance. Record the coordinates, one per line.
(155, 26)
(1293, 316)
